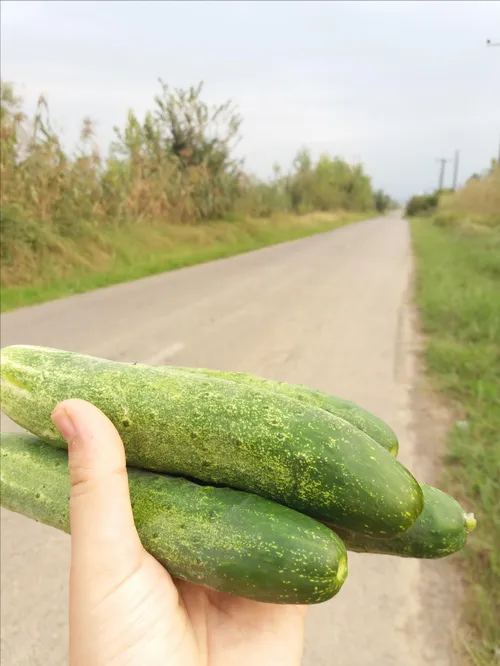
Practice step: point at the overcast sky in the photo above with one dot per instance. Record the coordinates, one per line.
(393, 84)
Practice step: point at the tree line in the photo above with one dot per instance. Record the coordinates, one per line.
(176, 164)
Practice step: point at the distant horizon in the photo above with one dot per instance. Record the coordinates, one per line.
(394, 86)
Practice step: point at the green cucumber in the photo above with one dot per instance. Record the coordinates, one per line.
(224, 539)
(440, 530)
(366, 422)
(222, 433)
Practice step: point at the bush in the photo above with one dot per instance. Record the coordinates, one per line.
(477, 203)
(473, 207)
(175, 165)
(422, 204)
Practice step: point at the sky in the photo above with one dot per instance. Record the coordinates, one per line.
(395, 85)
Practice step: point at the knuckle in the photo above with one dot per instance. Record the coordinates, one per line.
(85, 480)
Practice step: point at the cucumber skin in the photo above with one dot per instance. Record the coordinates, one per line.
(440, 530)
(368, 423)
(224, 539)
(222, 433)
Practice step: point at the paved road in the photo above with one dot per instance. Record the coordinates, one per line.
(329, 311)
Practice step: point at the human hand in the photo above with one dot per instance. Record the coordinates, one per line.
(125, 609)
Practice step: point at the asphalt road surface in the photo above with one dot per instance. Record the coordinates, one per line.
(330, 311)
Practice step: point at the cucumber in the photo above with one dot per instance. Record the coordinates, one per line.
(366, 422)
(222, 433)
(224, 539)
(440, 530)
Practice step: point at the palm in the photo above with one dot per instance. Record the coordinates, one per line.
(183, 624)
(232, 630)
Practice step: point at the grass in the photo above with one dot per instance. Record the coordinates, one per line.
(458, 292)
(102, 257)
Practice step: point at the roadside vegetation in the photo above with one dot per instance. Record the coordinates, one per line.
(169, 192)
(110, 255)
(458, 292)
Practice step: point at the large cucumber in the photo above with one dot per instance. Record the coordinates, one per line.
(217, 537)
(347, 410)
(440, 530)
(223, 433)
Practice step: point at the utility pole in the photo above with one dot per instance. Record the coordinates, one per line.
(455, 169)
(490, 43)
(443, 161)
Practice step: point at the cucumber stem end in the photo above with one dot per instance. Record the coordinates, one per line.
(470, 522)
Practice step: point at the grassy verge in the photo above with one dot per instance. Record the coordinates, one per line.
(458, 292)
(98, 258)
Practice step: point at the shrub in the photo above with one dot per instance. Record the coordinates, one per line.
(421, 204)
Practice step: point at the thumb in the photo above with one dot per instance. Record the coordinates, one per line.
(104, 541)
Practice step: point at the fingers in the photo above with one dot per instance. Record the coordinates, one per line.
(103, 533)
